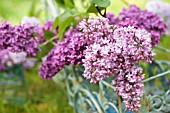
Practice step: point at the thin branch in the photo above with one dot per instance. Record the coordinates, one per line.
(104, 12)
(163, 49)
(48, 41)
(156, 76)
(119, 104)
(99, 11)
(125, 2)
(92, 99)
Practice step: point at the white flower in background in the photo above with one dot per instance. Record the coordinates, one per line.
(31, 20)
(18, 57)
(29, 63)
(8, 59)
(162, 9)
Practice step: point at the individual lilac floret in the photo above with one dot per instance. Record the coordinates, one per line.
(162, 9)
(68, 51)
(112, 19)
(145, 20)
(129, 86)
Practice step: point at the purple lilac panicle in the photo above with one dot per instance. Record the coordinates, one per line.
(19, 38)
(145, 20)
(25, 39)
(68, 51)
(162, 9)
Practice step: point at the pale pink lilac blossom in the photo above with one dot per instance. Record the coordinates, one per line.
(116, 51)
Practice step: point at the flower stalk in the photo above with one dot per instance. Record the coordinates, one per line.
(162, 49)
(48, 41)
(156, 76)
(119, 104)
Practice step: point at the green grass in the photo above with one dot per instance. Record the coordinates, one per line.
(44, 96)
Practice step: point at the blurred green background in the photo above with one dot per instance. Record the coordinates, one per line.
(44, 96)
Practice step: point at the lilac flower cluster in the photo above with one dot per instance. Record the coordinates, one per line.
(135, 45)
(116, 51)
(125, 46)
(98, 34)
(69, 51)
(162, 9)
(145, 20)
(19, 38)
(25, 39)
